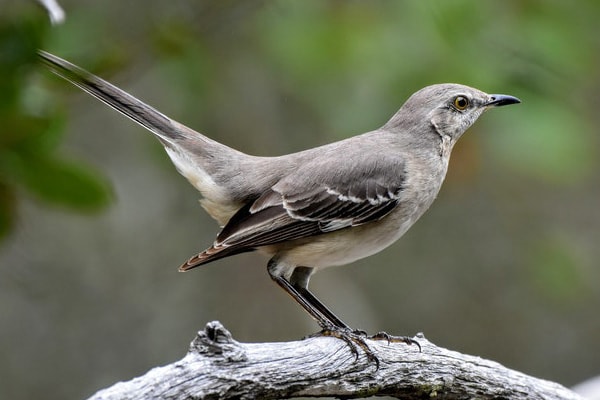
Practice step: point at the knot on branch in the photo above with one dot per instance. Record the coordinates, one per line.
(216, 341)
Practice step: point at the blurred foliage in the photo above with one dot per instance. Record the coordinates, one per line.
(556, 271)
(320, 46)
(509, 250)
(32, 130)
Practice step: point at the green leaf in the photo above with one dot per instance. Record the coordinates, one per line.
(65, 183)
(18, 45)
(7, 210)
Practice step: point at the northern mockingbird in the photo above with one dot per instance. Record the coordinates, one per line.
(326, 206)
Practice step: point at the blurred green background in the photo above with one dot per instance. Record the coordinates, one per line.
(95, 220)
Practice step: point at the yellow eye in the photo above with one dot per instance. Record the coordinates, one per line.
(461, 103)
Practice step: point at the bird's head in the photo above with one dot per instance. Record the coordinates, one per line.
(449, 109)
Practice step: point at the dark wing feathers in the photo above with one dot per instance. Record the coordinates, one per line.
(268, 226)
(303, 205)
(358, 203)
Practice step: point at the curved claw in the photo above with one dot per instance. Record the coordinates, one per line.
(396, 339)
(355, 339)
(360, 332)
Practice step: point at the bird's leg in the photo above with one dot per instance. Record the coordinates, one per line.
(322, 320)
(330, 324)
(299, 280)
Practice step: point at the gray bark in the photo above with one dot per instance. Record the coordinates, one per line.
(218, 367)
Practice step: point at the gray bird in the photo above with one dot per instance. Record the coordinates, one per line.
(326, 206)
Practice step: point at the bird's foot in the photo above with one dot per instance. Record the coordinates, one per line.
(395, 339)
(355, 339)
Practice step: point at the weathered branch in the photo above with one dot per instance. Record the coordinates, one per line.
(217, 366)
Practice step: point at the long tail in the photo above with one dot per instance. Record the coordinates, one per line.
(195, 156)
(148, 117)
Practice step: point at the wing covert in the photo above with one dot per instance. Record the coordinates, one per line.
(305, 204)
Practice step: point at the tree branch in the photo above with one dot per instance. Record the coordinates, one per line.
(216, 366)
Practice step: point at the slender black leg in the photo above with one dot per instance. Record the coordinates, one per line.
(322, 308)
(299, 280)
(330, 324)
(323, 321)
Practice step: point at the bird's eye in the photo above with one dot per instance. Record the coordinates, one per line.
(461, 103)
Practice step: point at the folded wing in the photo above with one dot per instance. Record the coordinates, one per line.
(314, 200)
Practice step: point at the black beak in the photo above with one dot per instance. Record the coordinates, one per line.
(497, 100)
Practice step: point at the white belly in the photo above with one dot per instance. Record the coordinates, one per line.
(342, 247)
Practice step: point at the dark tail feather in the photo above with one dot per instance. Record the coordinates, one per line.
(123, 102)
(210, 255)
